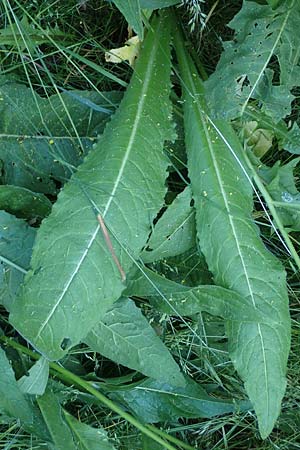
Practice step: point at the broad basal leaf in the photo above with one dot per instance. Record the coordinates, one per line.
(234, 251)
(16, 242)
(124, 335)
(39, 142)
(87, 437)
(175, 231)
(154, 402)
(75, 276)
(260, 33)
(14, 403)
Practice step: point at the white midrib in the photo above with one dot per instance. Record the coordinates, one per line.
(219, 178)
(116, 184)
(240, 253)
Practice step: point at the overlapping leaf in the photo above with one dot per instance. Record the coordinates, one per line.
(175, 232)
(16, 242)
(242, 72)
(125, 336)
(55, 420)
(281, 185)
(131, 10)
(15, 404)
(35, 382)
(153, 401)
(234, 251)
(88, 438)
(179, 300)
(39, 142)
(74, 277)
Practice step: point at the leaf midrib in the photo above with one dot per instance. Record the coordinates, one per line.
(217, 171)
(240, 253)
(125, 339)
(272, 50)
(138, 117)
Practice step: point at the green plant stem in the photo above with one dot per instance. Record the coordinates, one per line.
(67, 376)
(12, 264)
(273, 212)
(288, 205)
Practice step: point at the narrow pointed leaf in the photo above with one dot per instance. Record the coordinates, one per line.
(179, 300)
(153, 401)
(74, 276)
(14, 403)
(125, 336)
(55, 420)
(175, 232)
(36, 381)
(131, 10)
(87, 437)
(234, 251)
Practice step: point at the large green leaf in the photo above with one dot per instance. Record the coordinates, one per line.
(234, 251)
(124, 335)
(153, 401)
(16, 242)
(175, 232)
(14, 403)
(88, 438)
(39, 142)
(260, 33)
(74, 277)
